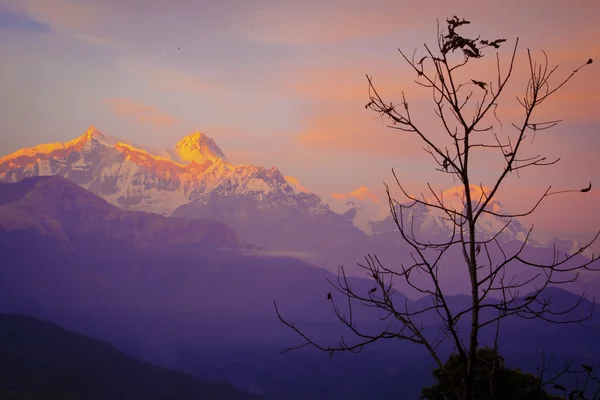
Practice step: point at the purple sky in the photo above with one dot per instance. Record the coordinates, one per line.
(281, 82)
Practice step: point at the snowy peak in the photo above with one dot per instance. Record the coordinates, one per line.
(139, 178)
(199, 148)
(92, 133)
(455, 198)
(49, 149)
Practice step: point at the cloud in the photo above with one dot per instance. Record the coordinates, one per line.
(335, 94)
(140, 113)
(296, 184)
(362, 193)
(16, 22)
(167, 79)
(60, 14)
(348, 127)
(343, 80)
(335, 117)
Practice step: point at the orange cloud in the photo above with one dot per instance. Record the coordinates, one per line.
(336, 118)
(350, 127)
(577, 101)
(362, 193)
(141, 113)
(296, 184)
(167, 79)
(343, 82)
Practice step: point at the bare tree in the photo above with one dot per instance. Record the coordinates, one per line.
(466, 108)
(584, 381)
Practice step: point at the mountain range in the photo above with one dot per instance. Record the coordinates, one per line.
(142, 179)
(195, 180)
(202, 301)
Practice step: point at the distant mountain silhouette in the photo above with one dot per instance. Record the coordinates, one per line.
(56, 207)
(40, 360)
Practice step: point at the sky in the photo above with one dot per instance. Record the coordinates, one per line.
(282, 83)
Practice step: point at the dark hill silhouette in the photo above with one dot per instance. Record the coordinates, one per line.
(40, 359)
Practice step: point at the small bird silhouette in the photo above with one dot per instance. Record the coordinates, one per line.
(328, 296)
(590, 61)
(373, 290)
(559, 387)
(478, 249)
(529, 298)
(479, 83)
(587, 367)
(587, 189)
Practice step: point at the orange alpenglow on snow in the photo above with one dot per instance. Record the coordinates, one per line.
(48, 148)
(362, 193)
(199, 148)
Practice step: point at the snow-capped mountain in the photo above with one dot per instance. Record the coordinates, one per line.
(194, 180)
(430, 223)
(138, 178)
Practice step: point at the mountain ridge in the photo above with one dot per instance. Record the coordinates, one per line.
(55, 206)
(195, 180)
(137, 178)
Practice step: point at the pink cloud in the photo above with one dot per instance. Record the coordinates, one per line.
(296, 184)
(336, 119)
(362, 193)
(140, 113)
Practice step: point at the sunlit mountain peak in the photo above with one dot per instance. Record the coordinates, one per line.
(92, 131)
(199, 148)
